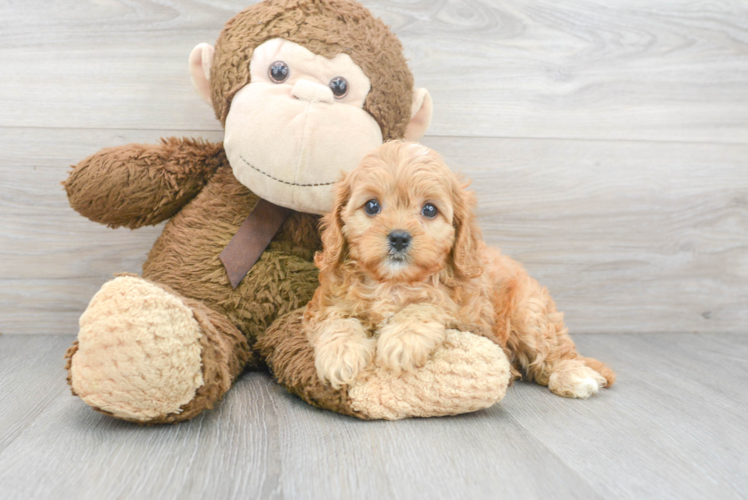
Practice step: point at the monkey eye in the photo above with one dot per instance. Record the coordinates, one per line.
(372, 207)
(429, 211)
(339, 86)
(279, 71)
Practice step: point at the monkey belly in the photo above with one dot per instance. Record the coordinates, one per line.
(185, 257)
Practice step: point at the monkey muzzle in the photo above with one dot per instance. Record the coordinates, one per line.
(290, 144)
(304, 90)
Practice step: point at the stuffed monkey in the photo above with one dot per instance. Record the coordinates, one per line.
(304, 89)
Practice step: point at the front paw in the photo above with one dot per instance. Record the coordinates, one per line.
(407, 346)
(339, 358)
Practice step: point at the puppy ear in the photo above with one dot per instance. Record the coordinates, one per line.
(466, 259)
(335, 247)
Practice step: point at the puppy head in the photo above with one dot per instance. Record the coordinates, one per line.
(402, 215)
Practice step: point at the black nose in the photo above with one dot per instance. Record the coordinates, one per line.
(399, 240)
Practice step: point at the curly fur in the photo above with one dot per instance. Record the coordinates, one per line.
(397, 308)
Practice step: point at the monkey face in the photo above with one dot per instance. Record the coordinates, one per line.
(298, 125)
(304, 90)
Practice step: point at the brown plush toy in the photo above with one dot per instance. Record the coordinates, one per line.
(304, 89)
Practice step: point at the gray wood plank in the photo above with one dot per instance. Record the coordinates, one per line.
(483, 455)
(673, 427)
(644, 70)
(628, 236)
(264, 443)
(32, 377)
(54, 260)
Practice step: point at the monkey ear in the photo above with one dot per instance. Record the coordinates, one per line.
(420, 115)
(201, 59)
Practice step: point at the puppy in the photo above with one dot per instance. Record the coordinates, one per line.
(403, 261)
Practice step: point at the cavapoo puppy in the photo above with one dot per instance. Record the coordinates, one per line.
(403, 261)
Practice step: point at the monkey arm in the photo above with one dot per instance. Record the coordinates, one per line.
(142, 184)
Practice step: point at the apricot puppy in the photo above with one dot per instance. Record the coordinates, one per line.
(403, 261)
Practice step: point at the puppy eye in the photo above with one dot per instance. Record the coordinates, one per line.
(339, 86)
(372, 207)
(429, 211)
(279, 71)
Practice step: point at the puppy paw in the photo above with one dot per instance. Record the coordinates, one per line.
(342, 352)
(407, 346)
(576, 382)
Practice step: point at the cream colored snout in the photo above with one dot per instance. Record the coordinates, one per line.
(305, 90)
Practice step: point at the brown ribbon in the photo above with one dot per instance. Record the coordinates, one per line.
(252, 238)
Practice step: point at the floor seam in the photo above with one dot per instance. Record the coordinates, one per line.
(34, 419)
(575, 472)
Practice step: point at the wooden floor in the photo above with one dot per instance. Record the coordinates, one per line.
(674, 426)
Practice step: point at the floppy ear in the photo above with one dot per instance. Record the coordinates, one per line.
(334, 245)
(466, 258)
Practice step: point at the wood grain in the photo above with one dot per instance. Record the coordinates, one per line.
(629, 237)
(672, 427)
(607, 142)
(264, 443)
(53, 260)
(32, 377)
(636, 70)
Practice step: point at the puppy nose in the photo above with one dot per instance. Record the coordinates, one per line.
(399, 240)
(305, 90)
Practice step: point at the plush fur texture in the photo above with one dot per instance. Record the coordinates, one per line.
(440, 387)
(376, 299)
(190, 183)
(467, 373)
(184, 260)
(285, 349)
(151, 348)
(281, 280)
(107, 371)
(327, 28)
(142, 184)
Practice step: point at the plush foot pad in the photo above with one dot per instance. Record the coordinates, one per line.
(139, 354)
(467, 373)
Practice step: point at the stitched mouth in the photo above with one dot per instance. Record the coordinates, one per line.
(317, 184)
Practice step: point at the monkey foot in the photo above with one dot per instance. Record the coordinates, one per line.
(138, 355)
(467, 373)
